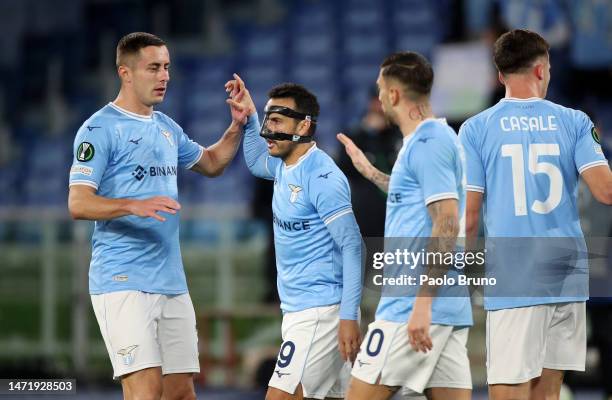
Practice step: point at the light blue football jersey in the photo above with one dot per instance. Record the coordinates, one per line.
(308, 197)
(525, 156)
(126, 155)
(429, 167)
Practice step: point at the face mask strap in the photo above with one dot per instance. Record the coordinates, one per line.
(288, 112)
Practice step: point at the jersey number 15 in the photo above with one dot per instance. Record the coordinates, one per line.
(515, 152)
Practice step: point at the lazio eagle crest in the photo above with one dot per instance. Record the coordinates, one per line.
(295, 190)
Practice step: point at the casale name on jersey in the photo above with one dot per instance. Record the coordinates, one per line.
(529, 124)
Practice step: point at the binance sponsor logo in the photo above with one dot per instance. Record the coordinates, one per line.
(141, 172)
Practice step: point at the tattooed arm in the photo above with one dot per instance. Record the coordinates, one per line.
(445, 218)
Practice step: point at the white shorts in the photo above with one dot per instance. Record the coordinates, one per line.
(143, 330)
(309, 354)
(386, 354)
(522, 341)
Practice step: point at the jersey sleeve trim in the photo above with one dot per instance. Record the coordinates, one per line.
(84, 183)
(591, 165)
(337, 215)
(266, 166)
(197, 159)
(441, 196)
(475, 188)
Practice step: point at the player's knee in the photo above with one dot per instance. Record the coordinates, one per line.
(152, 390)
(150, 393)
(187, 393)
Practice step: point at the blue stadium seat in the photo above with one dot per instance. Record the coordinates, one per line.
(313, 46)
(265, 44)
(360, 16)
(364, 48)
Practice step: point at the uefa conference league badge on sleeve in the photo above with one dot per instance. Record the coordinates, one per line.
(595, 136)
(85, 152)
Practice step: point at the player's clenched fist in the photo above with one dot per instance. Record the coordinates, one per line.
(151, 207)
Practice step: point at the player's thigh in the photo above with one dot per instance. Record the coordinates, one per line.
(452, 371)
(178, 387)
(547, 386)
(178, 336)
(445, 393)
(516, 343)
(308, 356)
(143, 384)
(298, 332)
(360, 390)
(387, 358)
(325, 375)
(128, 323)
(566, 341)
(278, 394)
(510, 392)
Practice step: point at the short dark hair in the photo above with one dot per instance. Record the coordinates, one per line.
(305, 101)
(131, 44)
(412, 70)
(516, 50)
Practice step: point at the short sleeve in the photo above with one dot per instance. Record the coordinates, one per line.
(433, 160)
(189, 152)
(473, 161)
(92, 150)
(330, 194)
(588, 152)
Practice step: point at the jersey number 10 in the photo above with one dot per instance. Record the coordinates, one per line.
(515, 152)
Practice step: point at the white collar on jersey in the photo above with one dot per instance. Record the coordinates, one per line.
(517, 99)
(302, 158)
(130, 114)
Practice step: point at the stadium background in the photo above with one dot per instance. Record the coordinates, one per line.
(57, 68)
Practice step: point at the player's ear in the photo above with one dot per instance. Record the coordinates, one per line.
(500, 78)
(539, 71)
(124, 73)
(394, 96)
(303, 127)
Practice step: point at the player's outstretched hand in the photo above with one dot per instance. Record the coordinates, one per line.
(237, 91)
(151, 207)
(419, 324)
(238, 111)
(349, 339)
(360, 161)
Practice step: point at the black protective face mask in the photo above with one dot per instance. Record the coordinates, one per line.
(286, 111)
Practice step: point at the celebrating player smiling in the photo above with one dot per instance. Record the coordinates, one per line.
(317, 243)
(124, 177)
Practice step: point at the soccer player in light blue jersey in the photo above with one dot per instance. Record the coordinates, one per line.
(317, 243)
(124, 177)
(418, 340)
(524, 158)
